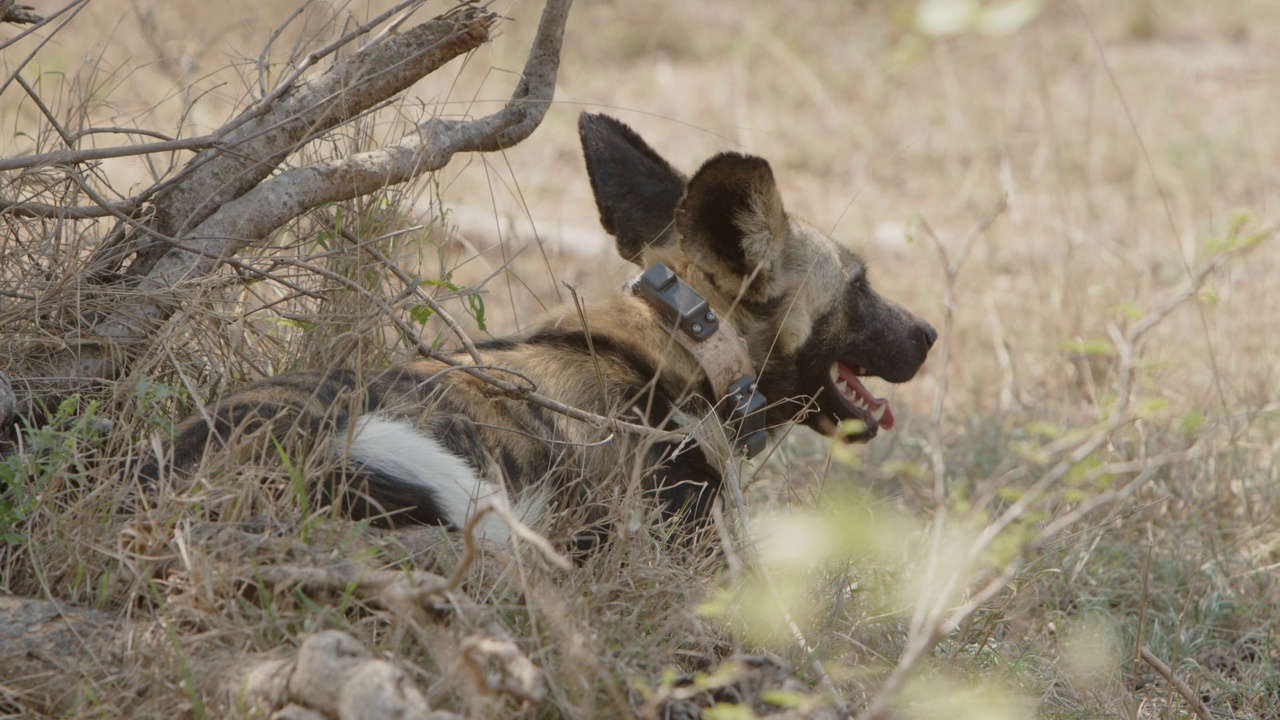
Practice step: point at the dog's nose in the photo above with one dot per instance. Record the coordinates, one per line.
(930, 335)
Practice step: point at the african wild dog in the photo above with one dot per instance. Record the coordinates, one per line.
(425, 443)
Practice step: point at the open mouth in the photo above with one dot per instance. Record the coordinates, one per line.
(855, 403)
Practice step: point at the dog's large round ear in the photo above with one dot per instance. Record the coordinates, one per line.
(636, 190)
(732, 209)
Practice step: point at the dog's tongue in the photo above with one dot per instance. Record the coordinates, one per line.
(871, 401)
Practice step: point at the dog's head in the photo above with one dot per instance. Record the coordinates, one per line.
(812, 322)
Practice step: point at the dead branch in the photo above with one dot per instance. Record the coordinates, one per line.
(264, 137)
(75, 157)
(236, 223)
(222, 203)
(231, 138)
(400, 591)
(1183, 689)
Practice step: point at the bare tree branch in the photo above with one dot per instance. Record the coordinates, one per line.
(1183, 689)
(19, 208)
(252, 151)
(250, 147)
(73, 157)
(225, 205)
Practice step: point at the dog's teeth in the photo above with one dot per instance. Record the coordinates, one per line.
(878, 413)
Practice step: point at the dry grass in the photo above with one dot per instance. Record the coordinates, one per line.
(1125, 138)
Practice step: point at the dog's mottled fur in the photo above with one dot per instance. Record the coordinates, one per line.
(423, 442)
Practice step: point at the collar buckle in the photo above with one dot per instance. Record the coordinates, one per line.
(677, 302)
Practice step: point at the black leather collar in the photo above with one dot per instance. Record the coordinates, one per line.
(718, 349)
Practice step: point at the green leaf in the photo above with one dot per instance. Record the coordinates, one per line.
(1236, 237)
(1030, 452)
(727, 711)
(293, 323)
(1192, 421)
(1080, 346)
(783, 698)
(477, 311)
(1150, 406)
(1009, 493)
(1086, 471)
(421, 313)
(1045, 430)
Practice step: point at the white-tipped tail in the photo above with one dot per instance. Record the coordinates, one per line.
(394, 447)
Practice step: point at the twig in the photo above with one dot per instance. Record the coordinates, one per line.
(44, 109)
(1201, 710)
(8, 402)
(929, 622)
(1174, 235)
(519, 529)
(23, 209)
(586, 332)
(939, 624)
(512, 390)
(422, 295)
(72, 9)
(1142, 608)
(951, 268)
(67, 158)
